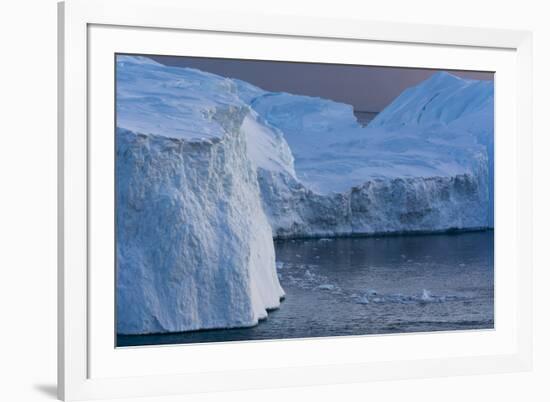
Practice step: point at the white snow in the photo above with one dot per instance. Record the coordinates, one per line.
(171, 101)
(435, 129)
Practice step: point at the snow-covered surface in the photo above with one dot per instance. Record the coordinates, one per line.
(170, 101)
(194, 247)
(210, 169)
(425, 163)
(439, 128)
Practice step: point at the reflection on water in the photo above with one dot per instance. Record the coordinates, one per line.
(357, 286)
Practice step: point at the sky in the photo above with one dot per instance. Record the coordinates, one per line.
(367, 88)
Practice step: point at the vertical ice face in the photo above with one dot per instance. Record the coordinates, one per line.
(457, 107)
(194, 247)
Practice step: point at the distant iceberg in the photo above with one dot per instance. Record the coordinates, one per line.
(425, 163)
(210, 169)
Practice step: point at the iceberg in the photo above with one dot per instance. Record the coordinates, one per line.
(462, 108)
(194, 247)
(425, 163)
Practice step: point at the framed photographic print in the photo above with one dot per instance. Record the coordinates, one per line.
(261, 201)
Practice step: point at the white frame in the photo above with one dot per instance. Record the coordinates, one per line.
(105, 361)
(75, 19)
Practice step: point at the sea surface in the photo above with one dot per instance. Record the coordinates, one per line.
(370, 285)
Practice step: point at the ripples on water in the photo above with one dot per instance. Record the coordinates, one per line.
(358, 286)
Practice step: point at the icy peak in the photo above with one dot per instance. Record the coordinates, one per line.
(440, 99)
(441, 78)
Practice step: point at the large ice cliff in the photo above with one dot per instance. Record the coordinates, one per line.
(194, 247)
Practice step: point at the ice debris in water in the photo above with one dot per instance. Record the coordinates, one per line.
(425, 296)
(363, 300)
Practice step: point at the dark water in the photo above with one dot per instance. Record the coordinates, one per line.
(357, 286)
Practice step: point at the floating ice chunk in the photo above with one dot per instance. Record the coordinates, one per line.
(363, 300)
(426, 296)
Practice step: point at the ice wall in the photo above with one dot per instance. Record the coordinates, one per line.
(194, 247)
